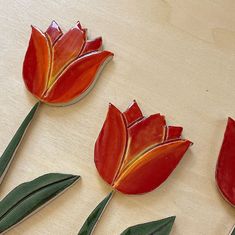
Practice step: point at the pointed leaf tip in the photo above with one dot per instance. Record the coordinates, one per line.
(29, 197)
(9, 153)
(94, 217)
(159, 227)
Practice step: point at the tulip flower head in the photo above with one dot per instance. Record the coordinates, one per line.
(136, 154)
(62, 68)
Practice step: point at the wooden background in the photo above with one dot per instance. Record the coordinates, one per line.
(173, 57)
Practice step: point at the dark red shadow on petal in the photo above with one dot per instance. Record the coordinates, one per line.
(225, 169)
(92, 45)
(173, 132)
(132, 114)
(53, 32)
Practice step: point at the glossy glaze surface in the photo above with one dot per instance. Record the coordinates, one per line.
(225, 170)
(61, 68)
(135, 154)
(29, 197)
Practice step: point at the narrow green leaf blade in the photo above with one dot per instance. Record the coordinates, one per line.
(233, 231)
(28, 197)
(159, 227)
(93, 218)
(8, 154)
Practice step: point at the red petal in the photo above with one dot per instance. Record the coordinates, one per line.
(36, 63)
(173, 132)
(133, 113)
(144, 135)
(110, 145)
(225, 170)
(66, 49)
(92, 45)
(78, 79)
(152, 169)
(54, 32)
(79, 25)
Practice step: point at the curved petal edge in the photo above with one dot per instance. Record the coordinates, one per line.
(110, 145)
(37, 63)
(152, 169)
(225, 169)
(78, 80)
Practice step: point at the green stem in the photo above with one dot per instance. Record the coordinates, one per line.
(9, 153)
(90, 223)
(233, 231)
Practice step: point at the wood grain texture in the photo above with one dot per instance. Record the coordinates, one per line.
(173, 57)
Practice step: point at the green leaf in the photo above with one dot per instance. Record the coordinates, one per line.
(93, 218)
(159, 227)
(29, 197)
(8, 154)
(233, 231)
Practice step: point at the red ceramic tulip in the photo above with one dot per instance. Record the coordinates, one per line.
(225, 170)
(62, 68)
(58, 69)
(136, 154)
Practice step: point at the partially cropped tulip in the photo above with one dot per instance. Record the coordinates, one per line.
(134, 154)
(225, 169)
(59, 69)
